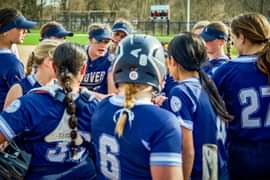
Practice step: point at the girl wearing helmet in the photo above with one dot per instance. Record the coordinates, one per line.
(128, 123)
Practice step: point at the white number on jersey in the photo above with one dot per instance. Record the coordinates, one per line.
(109, 164)
(221, 130)
(250, 98)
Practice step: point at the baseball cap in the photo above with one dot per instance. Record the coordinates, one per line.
(210, 34)
(100, 34)
(19, 22)
(121, 26)
(56, 30)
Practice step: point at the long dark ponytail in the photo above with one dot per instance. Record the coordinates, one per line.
(189, 51)
(69, 58)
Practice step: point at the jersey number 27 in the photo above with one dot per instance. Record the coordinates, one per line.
(250, 98)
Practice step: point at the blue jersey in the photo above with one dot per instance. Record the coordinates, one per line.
(41, 119)
(191, 105)
(28, 83)
(169, 84)
(151, 136)
(11, 72)
(246, 92)
(95, 78)
(212, 65)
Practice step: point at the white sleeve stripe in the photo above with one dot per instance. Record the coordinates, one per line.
(165, 159)
(185, 123)
(6, 129)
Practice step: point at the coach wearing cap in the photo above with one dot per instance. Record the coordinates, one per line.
(54, 30)
(98, 62)
(13, 28)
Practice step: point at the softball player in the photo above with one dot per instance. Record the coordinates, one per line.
(135, 139)
(199, 26)
(197, 105)
(120, 29)
(13, 27)
(39, 70)
(99, 61)
(54, 30)
(215, 36)
(244, 85)
(54, 121)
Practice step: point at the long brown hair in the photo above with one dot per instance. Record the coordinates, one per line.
(69, 59)
(255, 27)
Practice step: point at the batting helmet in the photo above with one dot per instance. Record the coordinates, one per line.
(140, 60)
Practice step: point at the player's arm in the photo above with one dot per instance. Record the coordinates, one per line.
(166, 172)
(166, 152)
(2, 138)
(181, 105)
(187, 152)
(16, 119)
(111, 85)
(14, 93)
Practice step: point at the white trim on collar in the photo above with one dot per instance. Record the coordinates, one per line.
(119, 101)
(245, 59)
(5, 51)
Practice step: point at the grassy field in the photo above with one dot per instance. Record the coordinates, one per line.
(81, 38)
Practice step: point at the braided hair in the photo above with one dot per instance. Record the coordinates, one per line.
(189, 51)
(69, 59)
(229, 45)
(130, 91)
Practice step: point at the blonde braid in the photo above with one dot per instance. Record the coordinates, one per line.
(130, 91)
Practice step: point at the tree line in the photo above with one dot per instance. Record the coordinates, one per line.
(140, 9)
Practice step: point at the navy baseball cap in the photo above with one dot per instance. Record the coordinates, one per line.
(19, 22)
(100, 34)
(121, 26)
(210, 34)
(56, 31)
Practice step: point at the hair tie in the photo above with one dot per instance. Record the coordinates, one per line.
(128, 112)
(266, 40)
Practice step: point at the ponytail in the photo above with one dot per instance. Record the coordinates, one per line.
(76, 139)
(263, 62)
(215, 99)
(130, 91)
(229, 45)
(30, 66)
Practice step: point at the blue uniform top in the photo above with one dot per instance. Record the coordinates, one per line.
(28, 83)
(95, 78)
(151, 136)
(169, 84)
(41, 119)
(190, 103)
(246, 92)
(11, 72)
(212, 65)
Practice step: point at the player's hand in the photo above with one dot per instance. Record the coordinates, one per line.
(158, 100)
(3, 146)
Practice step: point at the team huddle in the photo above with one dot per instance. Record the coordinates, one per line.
(126, 107)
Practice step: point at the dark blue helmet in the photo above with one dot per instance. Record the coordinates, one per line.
(140, 60)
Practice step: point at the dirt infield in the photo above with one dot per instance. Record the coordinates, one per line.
(24, 51)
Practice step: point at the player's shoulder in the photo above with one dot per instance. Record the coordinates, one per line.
(158, 116)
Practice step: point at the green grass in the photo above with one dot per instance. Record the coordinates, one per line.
(81, 38)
